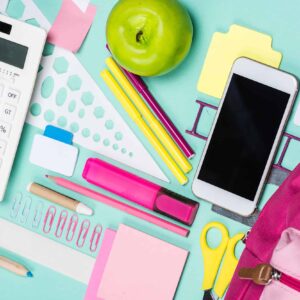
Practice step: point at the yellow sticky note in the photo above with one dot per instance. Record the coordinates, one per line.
(225, 48)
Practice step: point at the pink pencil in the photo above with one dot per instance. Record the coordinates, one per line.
(119, 205)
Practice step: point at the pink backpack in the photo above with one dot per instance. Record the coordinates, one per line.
(274, 240)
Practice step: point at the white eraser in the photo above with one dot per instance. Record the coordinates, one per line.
(53, 155)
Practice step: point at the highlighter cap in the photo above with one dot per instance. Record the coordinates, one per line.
(176, 206)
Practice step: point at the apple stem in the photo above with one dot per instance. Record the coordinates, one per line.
(139, 36)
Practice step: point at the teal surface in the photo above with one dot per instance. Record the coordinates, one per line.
(177, 94)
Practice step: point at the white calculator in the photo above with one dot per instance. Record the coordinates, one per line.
(21, 47)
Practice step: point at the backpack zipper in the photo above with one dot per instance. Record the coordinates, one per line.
(264, 274)
(291, 282)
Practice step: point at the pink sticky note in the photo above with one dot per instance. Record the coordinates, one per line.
(141, 266)
(99, 267)
(71, 26)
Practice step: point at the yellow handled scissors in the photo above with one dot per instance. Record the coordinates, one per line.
(213, 257)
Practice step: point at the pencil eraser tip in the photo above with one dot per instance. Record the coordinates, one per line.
(29, 186)
(83, 209)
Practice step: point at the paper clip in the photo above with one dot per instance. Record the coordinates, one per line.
(17, 203)
(49, 219)
(38, 213)
(61, 223)
(95, 238)
(26, 210)
(72, 228)
(83, 232)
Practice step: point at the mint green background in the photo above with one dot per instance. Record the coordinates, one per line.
(177, 94)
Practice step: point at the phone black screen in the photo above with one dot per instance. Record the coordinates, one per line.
(243, 136)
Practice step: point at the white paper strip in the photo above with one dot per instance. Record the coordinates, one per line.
(46, 252)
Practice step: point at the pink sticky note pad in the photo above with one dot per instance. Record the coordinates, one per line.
(71, 26)
(141, 267)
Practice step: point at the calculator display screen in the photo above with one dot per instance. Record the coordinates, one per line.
(12, 53)
(243, 136)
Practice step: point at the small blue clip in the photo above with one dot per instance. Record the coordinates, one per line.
(26, 209)
(17, 203)
(38, 213)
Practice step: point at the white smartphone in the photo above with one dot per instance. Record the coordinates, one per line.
(246, 132)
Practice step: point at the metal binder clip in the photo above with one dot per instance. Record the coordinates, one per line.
(49, 219)
(61, 223)
(95, 238)
(83, 232)
(17, 203)
(38, 213)
(26, 210)
(72, 228)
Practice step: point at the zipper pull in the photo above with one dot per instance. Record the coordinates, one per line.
(262, 274)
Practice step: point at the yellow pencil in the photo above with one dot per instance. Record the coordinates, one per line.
(137, 118)
(147, 114)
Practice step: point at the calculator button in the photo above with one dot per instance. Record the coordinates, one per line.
(12, 95)
(4, 130)
(2, 147)
(7, 112)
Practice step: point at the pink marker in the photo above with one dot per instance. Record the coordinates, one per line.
(140, 191)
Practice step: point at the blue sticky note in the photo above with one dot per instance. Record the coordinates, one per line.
(59, 134)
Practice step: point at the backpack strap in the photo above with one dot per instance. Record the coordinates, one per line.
(272, 221)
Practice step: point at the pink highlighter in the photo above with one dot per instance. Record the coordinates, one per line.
(140, 191)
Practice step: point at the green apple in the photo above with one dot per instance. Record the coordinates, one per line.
(149, 37)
